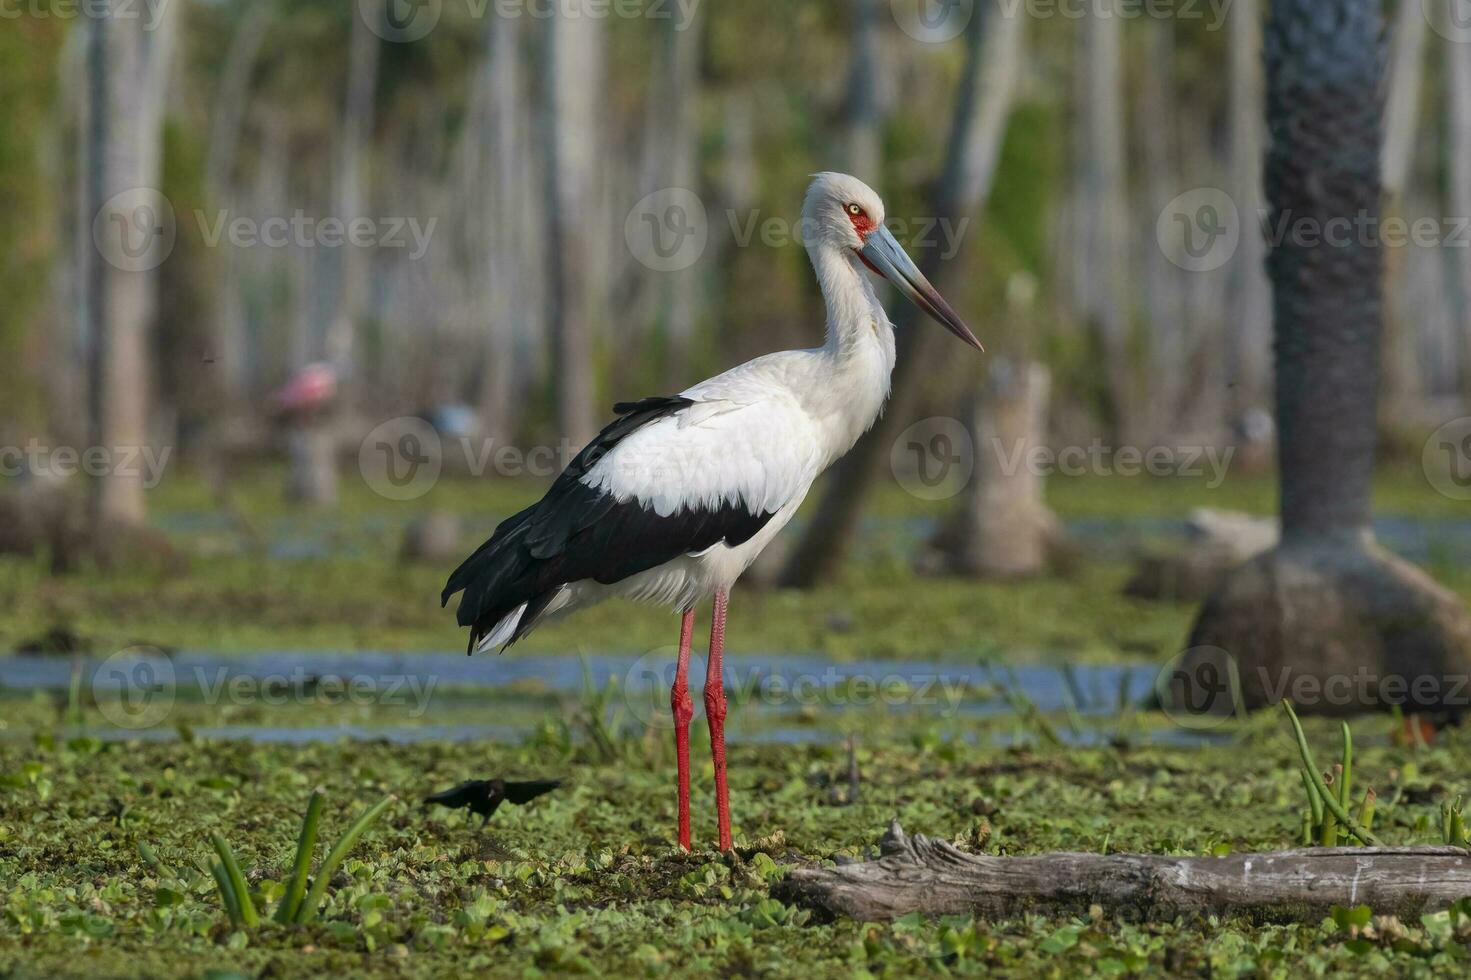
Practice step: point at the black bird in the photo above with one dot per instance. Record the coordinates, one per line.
(483, 796)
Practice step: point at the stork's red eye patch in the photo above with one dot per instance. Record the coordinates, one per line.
(862, 223)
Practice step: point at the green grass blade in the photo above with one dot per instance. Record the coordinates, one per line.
(1344, 792)
(161, 870)
(1366, 809)
(308, 908)
(237, 881)
(1329, 800)
(227, 892)
(302, 867)
(1315, 802)
(1329, 835)
(74, 697)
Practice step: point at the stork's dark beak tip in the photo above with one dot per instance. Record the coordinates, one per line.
(882, 253)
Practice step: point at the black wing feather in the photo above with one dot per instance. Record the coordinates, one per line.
(462, 795)
(525, 792)
(577, 532)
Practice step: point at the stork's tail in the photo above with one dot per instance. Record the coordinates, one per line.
(493, 580)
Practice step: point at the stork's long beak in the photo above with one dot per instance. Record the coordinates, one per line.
(882, 253)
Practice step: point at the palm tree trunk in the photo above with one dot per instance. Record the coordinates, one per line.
(1327, 606)
(1323, 164)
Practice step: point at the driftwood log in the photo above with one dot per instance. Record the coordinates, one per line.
(917, 874)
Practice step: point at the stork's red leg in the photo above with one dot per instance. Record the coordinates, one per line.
(715, 714)
(684, 710)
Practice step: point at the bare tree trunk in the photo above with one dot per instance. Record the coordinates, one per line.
(503, 300)
(1327, 605)
(865, 119)
(572, 66)
(65, 381)
(682, 65)
(1402, 111)
(1250, 319)
(128, 67)
(983, 106)
(230, 101)
(349, 193)
(1104, 302)
(1164, 296)
(313, 442)
(1402, 387)
(1458, 165)
(228, 112)
(101, 178)
(1006, 527)
(1207, 294)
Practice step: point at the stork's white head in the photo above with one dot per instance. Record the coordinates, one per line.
(840, 210)
(843, 213)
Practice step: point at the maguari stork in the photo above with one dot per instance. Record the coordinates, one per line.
(679, 494)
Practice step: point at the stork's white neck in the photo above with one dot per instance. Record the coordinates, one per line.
(858, 355)
(854, 316)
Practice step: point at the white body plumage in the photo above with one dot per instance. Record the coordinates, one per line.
(743, 447)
